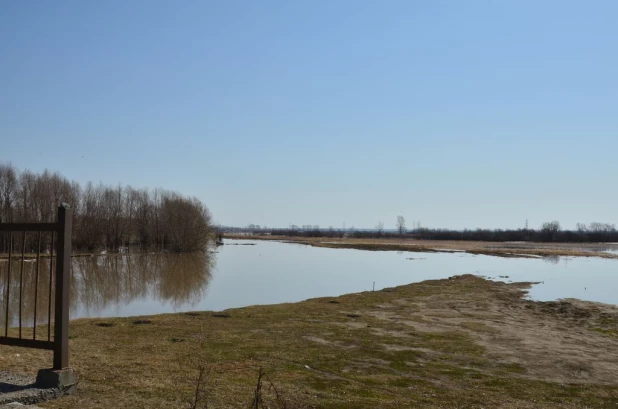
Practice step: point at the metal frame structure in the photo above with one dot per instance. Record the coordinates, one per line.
(61, 237)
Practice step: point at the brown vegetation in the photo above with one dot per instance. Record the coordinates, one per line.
(501, 249)
(104, 216)
(460, 342)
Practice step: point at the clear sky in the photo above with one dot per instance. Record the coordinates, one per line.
(455, 113)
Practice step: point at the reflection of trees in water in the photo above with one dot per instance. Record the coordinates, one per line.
(28, 292)
(551, 259)
(118, 279)
(103, 281)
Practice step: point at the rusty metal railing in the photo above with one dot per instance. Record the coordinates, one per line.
(60, 250)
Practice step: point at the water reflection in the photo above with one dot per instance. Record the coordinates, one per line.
(273, 272)
(551, 259)
(29, 288)
(104, 282)
(115, 280)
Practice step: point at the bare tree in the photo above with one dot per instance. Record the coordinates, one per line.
(186, 223)
(380, 228)
(550, 230)
(8, 192)
(105, 216)
(144, 212)
(601, 227)
(113, 207)
(91, 231)
(401, 224)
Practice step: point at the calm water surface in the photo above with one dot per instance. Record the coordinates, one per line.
(245, 273)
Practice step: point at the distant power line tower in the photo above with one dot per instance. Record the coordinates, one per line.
(526, 224)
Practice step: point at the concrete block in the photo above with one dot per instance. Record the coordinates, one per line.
(63, 379)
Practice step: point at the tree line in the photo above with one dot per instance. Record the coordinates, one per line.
(105, 216)
(548, 232)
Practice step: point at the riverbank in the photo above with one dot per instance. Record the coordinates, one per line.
(500, 249)
(460, 342)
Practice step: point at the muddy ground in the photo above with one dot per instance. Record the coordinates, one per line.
(463, 342)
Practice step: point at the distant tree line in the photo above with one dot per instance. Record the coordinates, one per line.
(105, 216)
(548, 232)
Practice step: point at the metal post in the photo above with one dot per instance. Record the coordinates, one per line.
(8, 284)
(63, 268)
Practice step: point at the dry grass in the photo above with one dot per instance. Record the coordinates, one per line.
(464, 342)
(501, 249)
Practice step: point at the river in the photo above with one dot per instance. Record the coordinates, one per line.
(244, 272)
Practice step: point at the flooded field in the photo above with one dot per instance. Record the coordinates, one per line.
(611, 248)
(244, 272)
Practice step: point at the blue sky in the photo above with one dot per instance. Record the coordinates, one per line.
(457, 114)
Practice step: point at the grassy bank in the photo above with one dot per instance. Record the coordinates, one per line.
(461, 342)
(500, 249)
